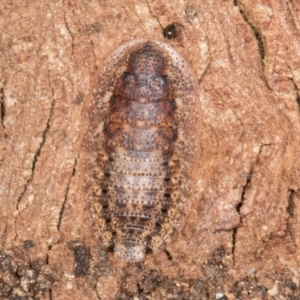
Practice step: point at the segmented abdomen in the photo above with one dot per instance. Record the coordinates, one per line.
(141, 175)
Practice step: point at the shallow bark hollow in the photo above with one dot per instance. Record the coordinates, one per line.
(142, 178)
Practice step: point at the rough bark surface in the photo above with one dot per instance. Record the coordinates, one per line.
(242, 238)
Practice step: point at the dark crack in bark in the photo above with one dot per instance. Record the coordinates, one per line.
(38, 152)
(2, 106)
(244, 190)
(97, 295)
(290, 210)
(168, 254)
(259, 39)
(255, 31)
(68, 29)
(154, 16)
(296, 91)
(204, 72)
(238, 208)
(66, 195)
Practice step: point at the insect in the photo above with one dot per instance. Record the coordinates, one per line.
(141, 148)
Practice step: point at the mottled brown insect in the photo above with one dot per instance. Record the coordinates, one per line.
(141, 148)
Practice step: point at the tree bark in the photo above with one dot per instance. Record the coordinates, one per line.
(242, 237)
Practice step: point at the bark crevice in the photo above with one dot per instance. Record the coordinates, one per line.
(41, 145)
(66, 195)
(2, 106)
(153, 15)
(256, 32)
(68, 29)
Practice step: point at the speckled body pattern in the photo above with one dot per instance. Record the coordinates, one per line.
(141, 148)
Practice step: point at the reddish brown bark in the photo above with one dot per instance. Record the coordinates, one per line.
(242, 238)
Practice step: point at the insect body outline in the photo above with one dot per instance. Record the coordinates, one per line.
(141, 148)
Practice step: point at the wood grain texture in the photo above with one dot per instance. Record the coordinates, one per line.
(242, 237)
